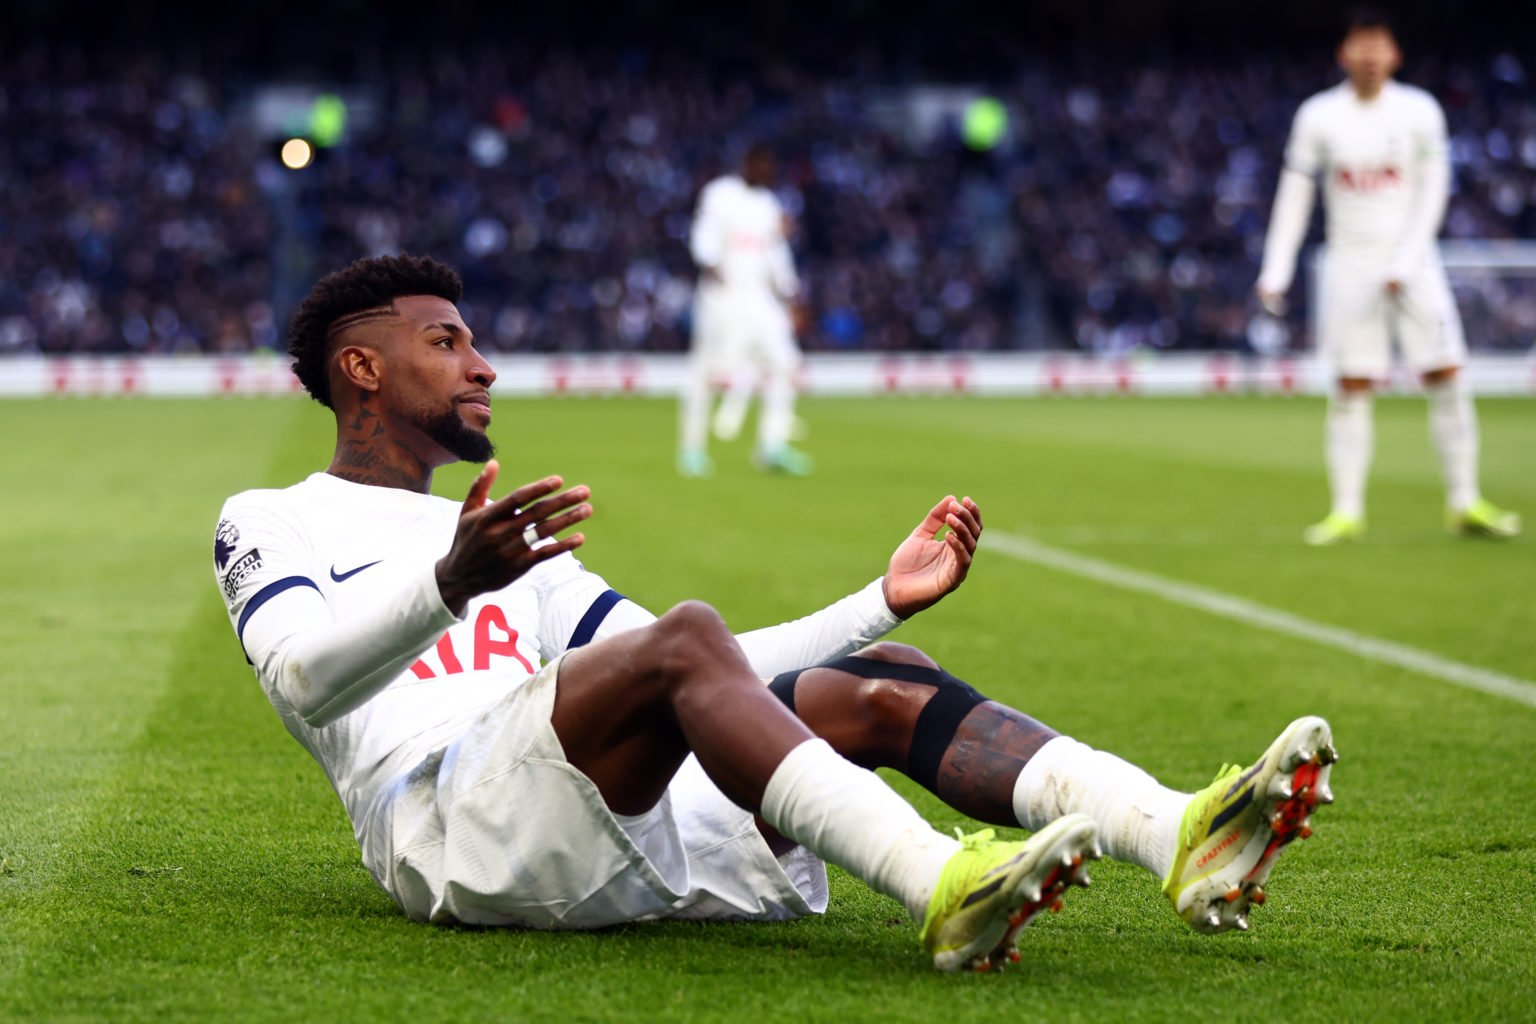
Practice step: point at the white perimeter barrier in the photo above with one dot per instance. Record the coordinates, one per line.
(987, 374)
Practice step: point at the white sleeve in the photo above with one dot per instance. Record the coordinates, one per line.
(781, 263)
(1287, 228)
(1304, 149)
(1430, 194)
(1293, 205)
(706, 240)
(305, 659)
(577, 607)
(841, 628)
(781, 271)
(856, 621)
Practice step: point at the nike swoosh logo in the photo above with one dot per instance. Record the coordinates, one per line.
(343, 576)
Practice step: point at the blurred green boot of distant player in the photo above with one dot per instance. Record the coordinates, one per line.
(695, 464)
(1483, 519)
(1335, 529)
(785, 459)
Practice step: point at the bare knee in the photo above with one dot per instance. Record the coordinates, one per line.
(888, 708)
(900, 654)
(688, 636)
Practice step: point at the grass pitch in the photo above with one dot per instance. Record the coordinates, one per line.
(166, 852)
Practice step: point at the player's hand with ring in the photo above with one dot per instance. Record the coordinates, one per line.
(498, 541)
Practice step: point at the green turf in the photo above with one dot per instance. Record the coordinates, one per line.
(167, 852)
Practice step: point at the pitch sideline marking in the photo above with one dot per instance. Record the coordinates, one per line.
(1251, 613)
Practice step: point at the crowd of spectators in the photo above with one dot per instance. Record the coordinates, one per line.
(141, 210)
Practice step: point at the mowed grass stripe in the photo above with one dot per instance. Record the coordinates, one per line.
(1251, 613)
(99, 573)
(121, 530)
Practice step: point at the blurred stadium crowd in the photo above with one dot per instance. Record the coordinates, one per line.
(140, 212)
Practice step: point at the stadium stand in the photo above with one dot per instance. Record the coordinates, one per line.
(141, 213)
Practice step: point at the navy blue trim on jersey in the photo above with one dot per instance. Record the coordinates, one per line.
(266, 594)
(586, 629)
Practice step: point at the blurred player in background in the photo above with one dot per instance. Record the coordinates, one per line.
(1380, 148)
(743, 323)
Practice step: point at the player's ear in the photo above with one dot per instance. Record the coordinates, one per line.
(359, 366)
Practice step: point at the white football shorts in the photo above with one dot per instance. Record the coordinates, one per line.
(734, 329)
(1358, 320)
(498, 828)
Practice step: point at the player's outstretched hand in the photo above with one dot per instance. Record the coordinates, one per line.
(926, 566)
(498, 541)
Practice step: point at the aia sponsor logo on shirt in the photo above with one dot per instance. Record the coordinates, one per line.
(747, 241)
(240, 571)
(1368, 179)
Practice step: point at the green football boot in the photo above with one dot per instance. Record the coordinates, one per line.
(784, 459)
(1334, 529)
(1484, 519)
(1234, 829)
(989, 890)
(695, 464)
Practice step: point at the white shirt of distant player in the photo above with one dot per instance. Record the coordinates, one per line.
(1371, 155)
(346, 552)
(738, 231)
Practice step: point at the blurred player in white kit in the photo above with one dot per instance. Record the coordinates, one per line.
(1380, 148)
(743, 327)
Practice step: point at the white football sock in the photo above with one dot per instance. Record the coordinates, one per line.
(732, 411)
(846, 815)
(693, 412)
(1350, 440)
(777, 415)
(1138, 818)
(1453, 428)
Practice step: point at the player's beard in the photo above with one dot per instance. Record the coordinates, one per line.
(466, 443)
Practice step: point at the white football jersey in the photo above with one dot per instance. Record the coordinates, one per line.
(331, 588)
(330, 551)
(1371, 156)
(739, 231)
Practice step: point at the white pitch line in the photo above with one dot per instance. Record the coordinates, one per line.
(1251, 613)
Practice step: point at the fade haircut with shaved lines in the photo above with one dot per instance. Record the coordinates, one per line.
(352, 295)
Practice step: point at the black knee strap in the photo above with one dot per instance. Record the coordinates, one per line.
(783, 687)
(939, 720)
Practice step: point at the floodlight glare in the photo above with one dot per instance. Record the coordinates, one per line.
(984, 124)
(297, 154)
